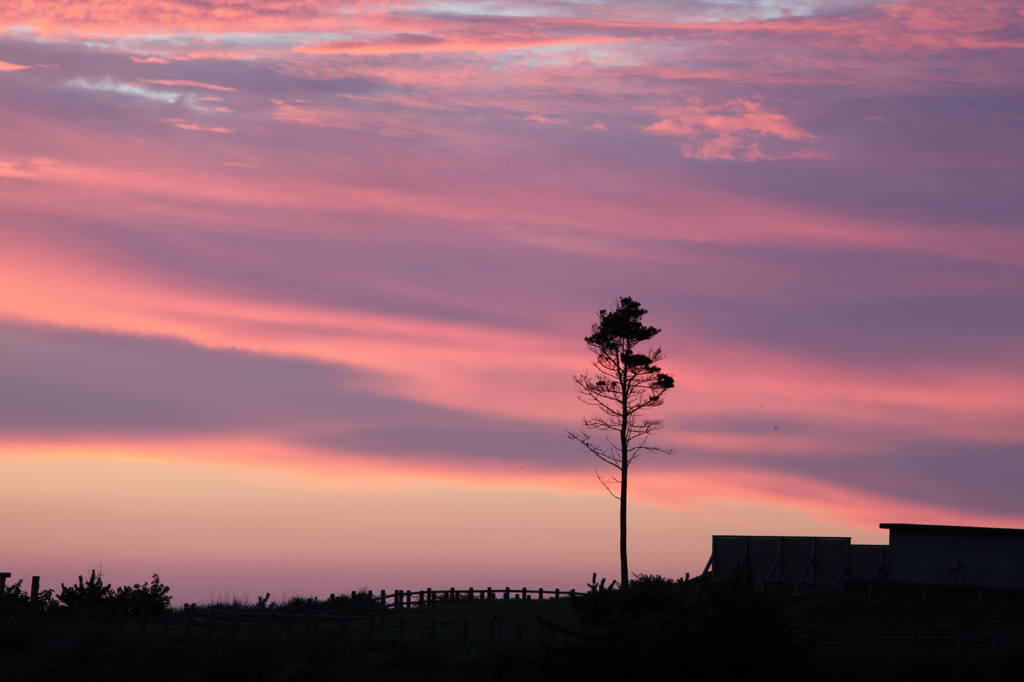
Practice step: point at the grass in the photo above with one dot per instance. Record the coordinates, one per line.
(72, 647)
(838, 609)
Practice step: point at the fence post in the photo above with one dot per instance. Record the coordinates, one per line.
(471, 594)
(525, 597)
(540, 594)
(572, 592)
(34, 599)
(506, 594)
(556, 593)
(3, 584)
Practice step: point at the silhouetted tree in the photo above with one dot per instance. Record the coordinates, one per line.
(625, 383)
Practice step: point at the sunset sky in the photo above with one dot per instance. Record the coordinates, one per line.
(292, 291)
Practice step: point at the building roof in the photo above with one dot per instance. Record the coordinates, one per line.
(966, 530)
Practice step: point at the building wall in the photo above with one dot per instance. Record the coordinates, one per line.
(961, 556)
(785, 560)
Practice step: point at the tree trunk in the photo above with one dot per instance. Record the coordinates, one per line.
(622, 529)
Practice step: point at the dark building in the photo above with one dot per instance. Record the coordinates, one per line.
(955, 555)
(818, 564)
(917, 554)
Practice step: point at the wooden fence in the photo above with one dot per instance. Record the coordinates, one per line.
(401, 614)
(400, 599)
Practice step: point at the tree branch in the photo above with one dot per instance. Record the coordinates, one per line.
(605, 484)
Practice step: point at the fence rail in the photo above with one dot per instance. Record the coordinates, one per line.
(415, 598)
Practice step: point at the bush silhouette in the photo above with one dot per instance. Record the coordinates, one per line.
(17, 595)
(151, 597)
(87, 594)
(661, 629)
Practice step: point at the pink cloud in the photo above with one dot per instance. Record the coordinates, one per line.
(7, 66)
(540, 118)
(194, 126)
(734, 130)
(187, 83)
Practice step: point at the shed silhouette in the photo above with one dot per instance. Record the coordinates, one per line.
(955, 555)
(916, 554)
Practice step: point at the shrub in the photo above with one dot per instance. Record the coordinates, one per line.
(659, 629)
(88, 594)
(16, 594)
(151, 598)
